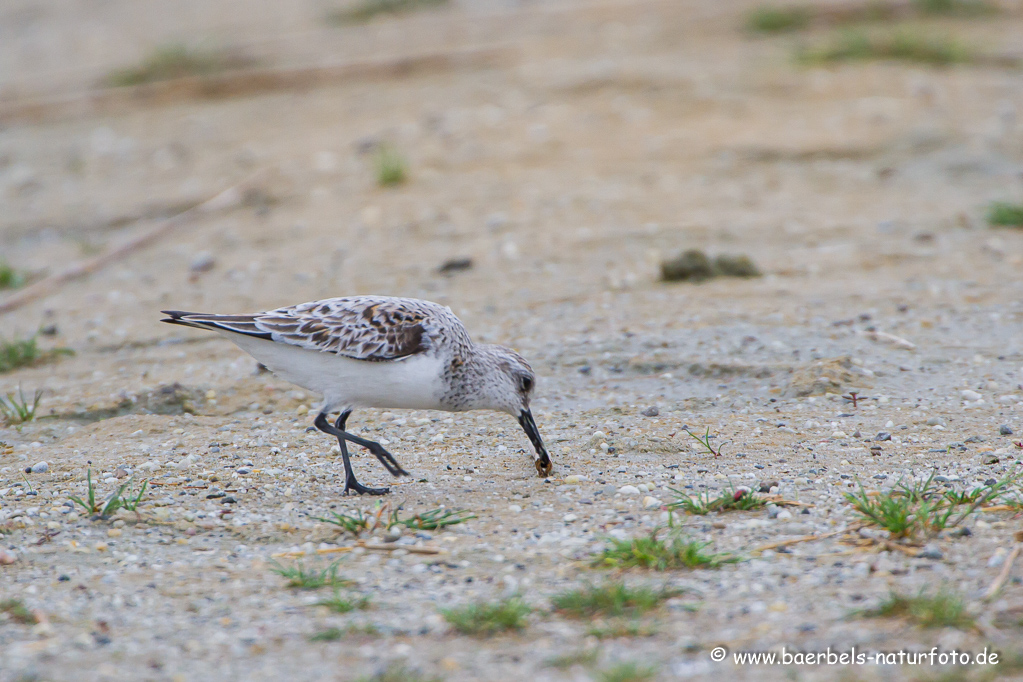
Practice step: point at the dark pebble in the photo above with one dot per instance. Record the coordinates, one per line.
(652, 411)
(213, 496)
(883, 435)
(229, 500)
(1005, 430)
(990, 482)
(64, 578)
(766, 486)
(454, 265)
(974, 439)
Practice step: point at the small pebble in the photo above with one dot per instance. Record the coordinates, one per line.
(931, 551)
(650, 502)
(883, 435)
(569, 518)
(1005, 430)
(970, 395)
(629, 490)
(7, 558)
(651, 411)
(38, 468)
(114, 533)
(244, 470)
(202, 262)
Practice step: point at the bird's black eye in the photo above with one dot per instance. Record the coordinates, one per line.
(527, 384)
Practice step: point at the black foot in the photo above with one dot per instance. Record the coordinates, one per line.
(360, 489)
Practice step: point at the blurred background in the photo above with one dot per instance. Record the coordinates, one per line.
(520, 161)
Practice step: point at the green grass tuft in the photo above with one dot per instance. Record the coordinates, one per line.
(767, 19)
(610, 600)
(585, 657)
(328, 635)
(955, 8)
(368, 9)
(178, 61)
(704, 503)
(938, 610)
(628, 671)
(300, 578)
(355, 524)
(652, 553)
(16, 408)
(391, 168)
(9, 277)
(16, 354)
(116, 500)
(902, 46)
(435, 519)
(18, 612)
(912, 510)
(1005, 214)
(399, 673)
(339, 603)
(484, 619)
(620, 627)
(26, 353)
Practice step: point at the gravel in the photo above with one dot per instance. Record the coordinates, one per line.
(596, 168)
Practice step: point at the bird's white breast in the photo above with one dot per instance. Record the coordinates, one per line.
(411, 383)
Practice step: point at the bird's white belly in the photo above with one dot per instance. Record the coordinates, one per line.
(412, 383)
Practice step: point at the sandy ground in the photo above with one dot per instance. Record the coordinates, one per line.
(612, 136)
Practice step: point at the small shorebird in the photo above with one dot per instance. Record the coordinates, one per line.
(377, 351)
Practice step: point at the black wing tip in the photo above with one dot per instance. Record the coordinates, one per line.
(176, 317)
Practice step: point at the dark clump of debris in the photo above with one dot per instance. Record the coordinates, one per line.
(454, 265)
(694, 265)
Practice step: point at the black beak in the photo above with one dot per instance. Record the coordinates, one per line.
(541, 459)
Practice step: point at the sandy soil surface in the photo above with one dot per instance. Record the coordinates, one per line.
(612, 135)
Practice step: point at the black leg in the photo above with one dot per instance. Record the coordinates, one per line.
(386, 458)
(322, 424)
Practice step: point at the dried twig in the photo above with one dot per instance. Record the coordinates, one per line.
(247, 81)
(426, 549)
(232, 197)
(795, 541)
(1003, 575)
(909, 551)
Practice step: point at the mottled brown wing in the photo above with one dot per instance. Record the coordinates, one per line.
(363, 328)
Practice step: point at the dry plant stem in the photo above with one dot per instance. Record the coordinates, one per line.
(364, 545)
(796, 541)
(1003, 575)
(241, 82)
(892, 546)
(232, 197)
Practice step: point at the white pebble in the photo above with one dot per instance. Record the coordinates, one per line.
(629, 490)
(970, 395)
(651, 502)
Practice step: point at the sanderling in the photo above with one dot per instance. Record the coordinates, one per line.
(377, 351)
